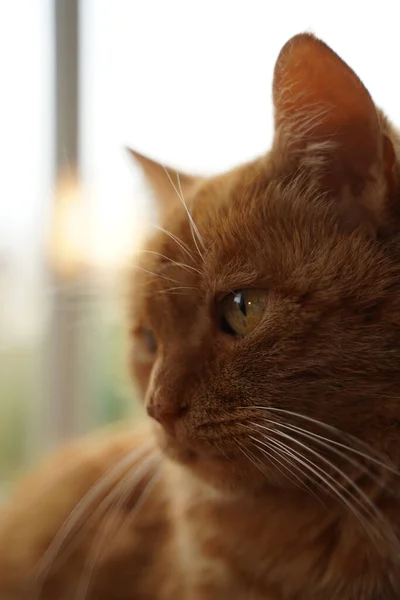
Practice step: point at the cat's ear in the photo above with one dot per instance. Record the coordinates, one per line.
(325, 120)
(166, 184)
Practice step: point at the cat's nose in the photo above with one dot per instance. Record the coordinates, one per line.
(165, 412)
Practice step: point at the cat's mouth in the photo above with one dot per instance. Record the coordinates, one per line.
(218, 455)
(191, 455)
(192, 448)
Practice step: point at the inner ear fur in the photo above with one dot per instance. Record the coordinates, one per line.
(328, 122)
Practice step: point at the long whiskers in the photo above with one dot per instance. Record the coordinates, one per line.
(194, 229)
(119, 497)
(332, 447)
(173, 262)
(351, 495)
(250, 456)
(336, 488)
(178, 241)
(155, 274)
(174, 290)
(320, 457)
(74, 519)
(336, 432)
(289, 470)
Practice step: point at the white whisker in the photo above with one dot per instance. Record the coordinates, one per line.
(292, 475)
(119, 496)
(193, 226)
(246, 452)
(326, 461)
(175, 289)
(180, 243)
(155, 274)
(328, 444)
(173, 262)
(356, 494)
(80, 510)
(187, 210)
(328, 480)
(336, 432)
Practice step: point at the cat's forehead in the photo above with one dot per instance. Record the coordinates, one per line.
(238, 229)
(247, 229)
(216, 206)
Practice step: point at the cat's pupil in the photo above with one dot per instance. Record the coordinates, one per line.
(240, 301)
(226, 328)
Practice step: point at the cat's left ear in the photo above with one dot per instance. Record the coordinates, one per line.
(326, 122)
(166, 184)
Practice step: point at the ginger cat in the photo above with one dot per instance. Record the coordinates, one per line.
(265, 325)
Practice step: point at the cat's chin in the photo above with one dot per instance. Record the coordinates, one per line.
(191, 454)
(228, 471)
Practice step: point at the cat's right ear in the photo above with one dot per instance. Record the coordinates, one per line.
(327, 124)
(167, 184)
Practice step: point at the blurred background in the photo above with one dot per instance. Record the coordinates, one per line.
(187, 83)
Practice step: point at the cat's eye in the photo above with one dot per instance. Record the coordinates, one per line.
(149, 340)
(242, 310)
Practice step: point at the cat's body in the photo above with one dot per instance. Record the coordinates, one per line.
(265, 323)
(185, 541)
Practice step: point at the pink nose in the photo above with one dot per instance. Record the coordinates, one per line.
(166, 413)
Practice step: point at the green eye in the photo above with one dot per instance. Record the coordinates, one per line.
(149, 340)
(242, 311)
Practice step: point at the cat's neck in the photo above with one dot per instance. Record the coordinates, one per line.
(245, 530)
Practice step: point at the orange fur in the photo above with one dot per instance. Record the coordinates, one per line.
(273, 471)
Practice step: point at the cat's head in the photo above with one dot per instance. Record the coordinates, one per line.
(266, 309)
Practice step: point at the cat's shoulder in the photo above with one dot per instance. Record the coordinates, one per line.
(47, 506)
(79, 463)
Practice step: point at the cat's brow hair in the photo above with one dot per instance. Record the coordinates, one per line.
(173, 290)
(145, 292)
(193, 224)
(171, 261)
(154, 274)
(180, 243)
(193, 227)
